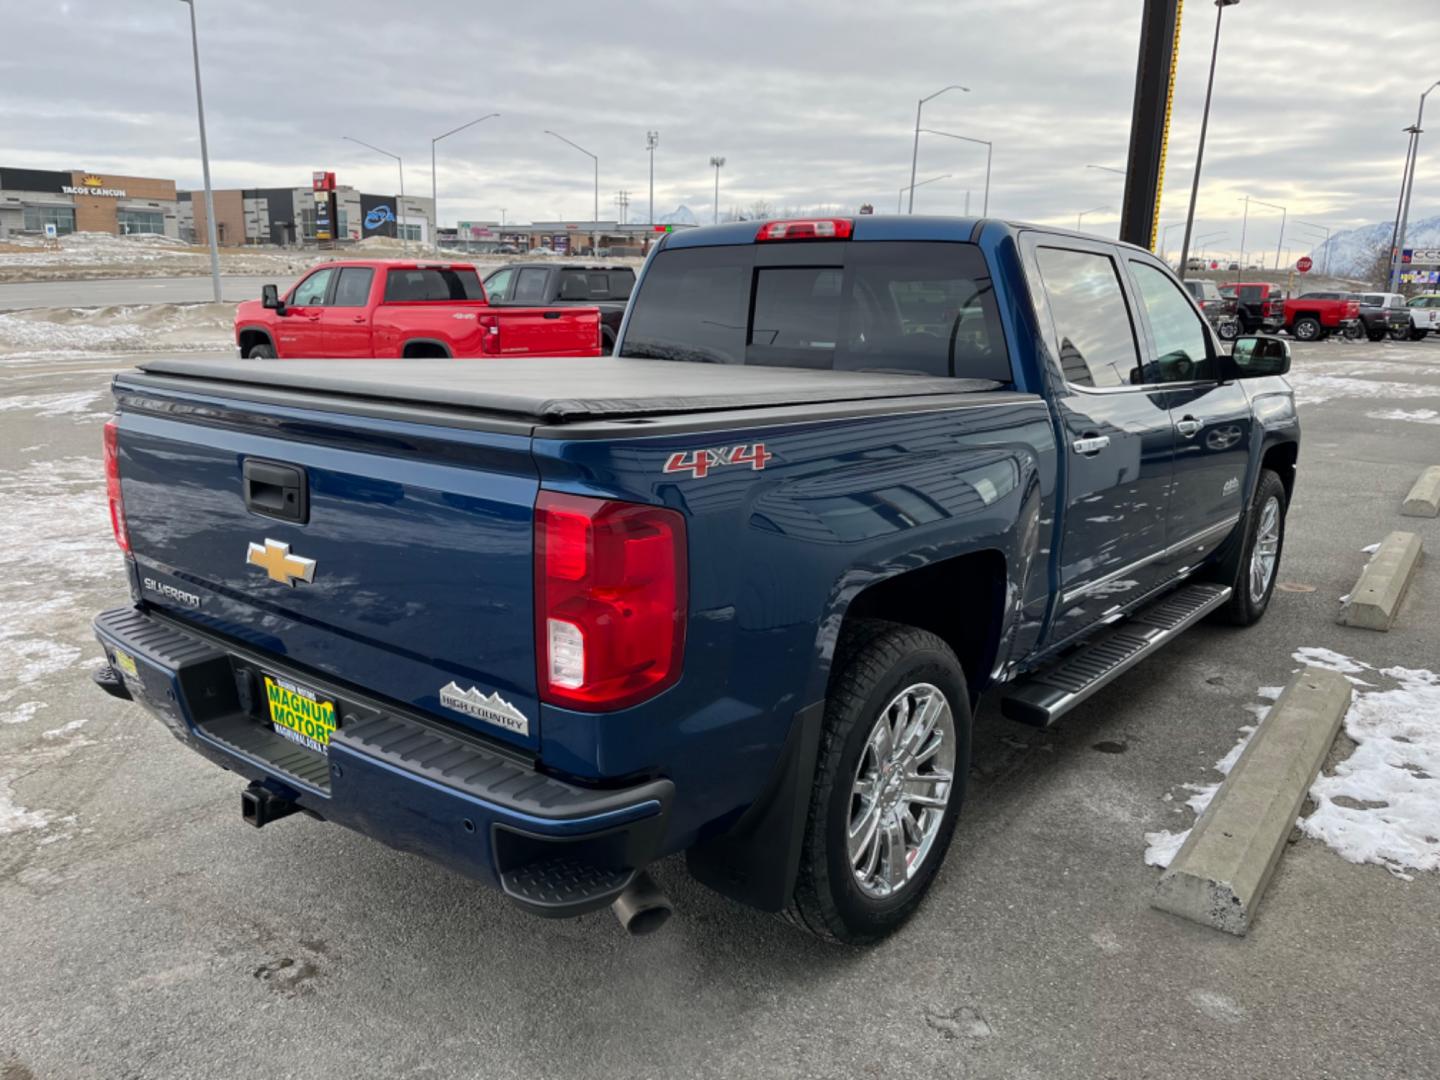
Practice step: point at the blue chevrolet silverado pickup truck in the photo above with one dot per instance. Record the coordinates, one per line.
(734, 592)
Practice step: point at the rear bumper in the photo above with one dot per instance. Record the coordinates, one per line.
(554, 848)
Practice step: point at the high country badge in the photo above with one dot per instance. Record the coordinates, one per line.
(491, 708)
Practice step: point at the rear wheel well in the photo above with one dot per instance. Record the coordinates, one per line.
(419, 350)
(960, 600)
(1281, 459)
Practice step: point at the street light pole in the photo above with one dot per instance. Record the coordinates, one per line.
(1244, 223)
(717, 162)
(1398, 253)
(595, 221)
(434, 197)
(205, 158)
(1326, 268)
(1165, 237)
(652, 140)
(404, 236)
(915, 151)
(900, 197)
(1093, 210)
(989, 149)
(1220, 6)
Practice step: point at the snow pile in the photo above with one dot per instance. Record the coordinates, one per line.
(1413, 416)
(132, 328)
(1382, 803)
(91, 247)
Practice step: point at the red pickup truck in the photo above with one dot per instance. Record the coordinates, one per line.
(388, 308)
(1314, 316)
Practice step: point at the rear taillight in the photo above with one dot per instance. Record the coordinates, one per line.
(610, 600)
(1265, 309)
(489, 334)
(807, 229)
(112, 485)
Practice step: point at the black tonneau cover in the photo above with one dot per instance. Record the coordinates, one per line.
(559, 389)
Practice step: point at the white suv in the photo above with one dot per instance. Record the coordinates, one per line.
(1424, 316)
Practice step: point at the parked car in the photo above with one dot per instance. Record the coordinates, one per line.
(734, 591)
(1382, 315)
(1424, 316)
(1313, 316)
(391, 308)
(1259, 305)
(604, 287)
(1219, 310)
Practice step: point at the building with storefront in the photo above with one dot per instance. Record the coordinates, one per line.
(81, 201)
(556, 237)
(286, 216)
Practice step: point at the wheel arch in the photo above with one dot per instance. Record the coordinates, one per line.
(422, 348)
(250, 335)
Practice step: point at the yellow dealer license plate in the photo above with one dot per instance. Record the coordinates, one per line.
(299, 714)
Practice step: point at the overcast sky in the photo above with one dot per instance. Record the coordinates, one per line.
(810, 101)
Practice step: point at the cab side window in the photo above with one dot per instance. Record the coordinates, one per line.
(311, 292)
(498, 283)
(1092, 321)
(1182, 351)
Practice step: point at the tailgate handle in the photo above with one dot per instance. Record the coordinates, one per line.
(276, 490)
(552, 314)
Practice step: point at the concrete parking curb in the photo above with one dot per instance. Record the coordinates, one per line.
(1377, 595)
(1220, 873)
(1424, 497)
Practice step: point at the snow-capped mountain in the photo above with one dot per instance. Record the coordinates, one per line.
(681, 215)
(1352, 252)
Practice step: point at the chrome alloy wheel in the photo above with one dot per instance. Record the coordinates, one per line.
(901, 788)
(1266, 551)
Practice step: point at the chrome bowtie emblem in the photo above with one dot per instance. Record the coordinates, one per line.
(275, 559)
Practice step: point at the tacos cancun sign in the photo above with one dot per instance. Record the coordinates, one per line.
(93, 185)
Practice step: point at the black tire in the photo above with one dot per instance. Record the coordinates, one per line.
(1418, 335)
(1307, 328)
(1353, 333)
(1377, 335)
(1400, 333)
(1228, 330)
(263, 351)
(1243, 607)
(607, 343)
(874, 662)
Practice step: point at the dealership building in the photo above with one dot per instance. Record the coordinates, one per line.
(286, 216)
(82, 201)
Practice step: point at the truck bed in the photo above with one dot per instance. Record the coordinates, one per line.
(559, 390)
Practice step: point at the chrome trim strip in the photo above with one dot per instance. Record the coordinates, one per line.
(1090, 586)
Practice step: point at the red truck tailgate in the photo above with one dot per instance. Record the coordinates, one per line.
(548, 331)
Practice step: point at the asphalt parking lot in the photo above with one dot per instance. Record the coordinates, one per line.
(149, 933)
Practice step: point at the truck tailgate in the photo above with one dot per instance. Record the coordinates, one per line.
(548, 331)
(417, 537)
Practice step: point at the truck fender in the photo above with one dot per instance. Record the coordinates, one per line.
(253, 330)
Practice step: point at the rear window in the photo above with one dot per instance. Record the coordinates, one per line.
(432, 283)
(1250, 294)
(921, 308)
(596, 284)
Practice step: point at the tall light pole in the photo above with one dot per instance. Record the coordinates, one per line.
(1203, 240)
(915, 152)
(595, 221)
(909, 187)
(1283, 212)
(205, 157)
(1399, 247)
(652, 140)
(1220, 6)
(989, 149)
(1325, 269)
(1165, 237)
(717, 162)
(434, 197)
(404, 236)
(1080, 217)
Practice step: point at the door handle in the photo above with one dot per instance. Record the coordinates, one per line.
(357, 318)
(552, 314)
(1090, 445)
(1188, 426)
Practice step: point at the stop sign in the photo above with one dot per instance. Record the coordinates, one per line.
(1214, 265)
(1304, 264)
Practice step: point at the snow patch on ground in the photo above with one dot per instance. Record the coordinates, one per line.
(15, 818)
(1381, 804)
(22, 713)
(1315, 388)
(80, 403)
(1413, 416)
(52, 332)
